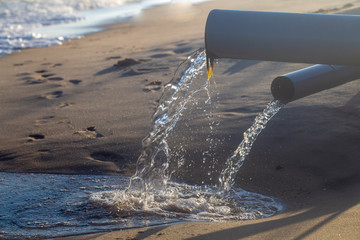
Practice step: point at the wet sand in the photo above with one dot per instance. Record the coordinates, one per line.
(85, 106)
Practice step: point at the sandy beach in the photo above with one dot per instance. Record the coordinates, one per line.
(81, 108)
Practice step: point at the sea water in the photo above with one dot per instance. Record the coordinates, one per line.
(41, 23)
(44, 205)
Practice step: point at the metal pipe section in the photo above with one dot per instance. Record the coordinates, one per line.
(286, 37)
(307, 81)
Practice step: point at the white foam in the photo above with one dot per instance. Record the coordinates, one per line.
(189, 203)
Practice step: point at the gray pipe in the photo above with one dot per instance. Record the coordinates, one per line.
(286, 37)
(307, 81)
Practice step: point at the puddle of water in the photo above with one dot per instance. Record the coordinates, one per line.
(41, 206)
(45, 205)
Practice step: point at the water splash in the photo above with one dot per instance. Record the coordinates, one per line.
(186, 202)
(151, 191)
(234, 163)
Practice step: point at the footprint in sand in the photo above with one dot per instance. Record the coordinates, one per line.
(46, 75)
(75, 81)
(43, 120)
(52, 95)
(152, 86)
(107, 156)
(121, 64)
(39, 76)
(56, 78)
(30, 78)
(35, 136)
(127, 62)
(64, 105)
(33, 78)
(89, 132)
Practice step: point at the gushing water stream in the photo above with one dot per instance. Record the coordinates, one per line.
(155, 158)
(234, 163)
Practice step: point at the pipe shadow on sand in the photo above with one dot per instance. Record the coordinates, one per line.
(300, 226)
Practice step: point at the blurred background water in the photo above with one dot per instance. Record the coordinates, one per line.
(40, 23)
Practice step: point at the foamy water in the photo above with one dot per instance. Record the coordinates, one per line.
(25, 23)
(185, 202)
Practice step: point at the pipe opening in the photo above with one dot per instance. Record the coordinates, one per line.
(282, 89)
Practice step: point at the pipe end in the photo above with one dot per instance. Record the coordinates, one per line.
(283, 89)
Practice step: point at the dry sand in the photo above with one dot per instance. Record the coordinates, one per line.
(71, 109)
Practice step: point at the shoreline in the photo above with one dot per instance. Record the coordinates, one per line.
(49, 27)
(68, 109)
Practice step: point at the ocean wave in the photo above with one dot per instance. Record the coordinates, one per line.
(20, 20)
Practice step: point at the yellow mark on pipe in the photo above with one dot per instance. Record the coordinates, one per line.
(210, 67)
